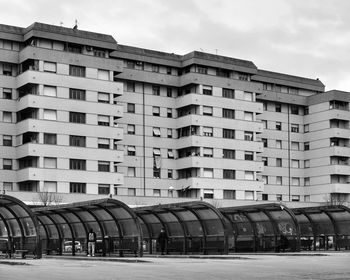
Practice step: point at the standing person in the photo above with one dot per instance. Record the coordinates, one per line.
(162, 240)
(91, 243)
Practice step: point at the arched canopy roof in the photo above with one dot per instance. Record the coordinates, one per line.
(107, 217)
(187, 219)
(264, 219)
(323, 220)
(18, 225)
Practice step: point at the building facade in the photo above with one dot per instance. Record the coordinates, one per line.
(83, 114)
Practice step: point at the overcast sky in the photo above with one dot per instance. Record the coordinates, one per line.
(309, 38)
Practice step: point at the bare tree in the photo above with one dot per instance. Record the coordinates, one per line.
(336, 199)
(49, 198)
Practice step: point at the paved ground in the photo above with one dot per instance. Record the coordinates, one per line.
(334, 266)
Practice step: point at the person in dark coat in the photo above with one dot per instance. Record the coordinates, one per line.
(162, 240)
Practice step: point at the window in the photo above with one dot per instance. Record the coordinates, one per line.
(295, 146)
(7, 164)
(264, 122)
(248, 155)
(50, 138)
(265, 179)
(295, 128)
(264, 105)
(50, 115)
(77, 141)
(249, 175)
(229, 194)
(249, 195)
(7, 117)
(169, 92)
(103, 143)
(103, 189)
(7, 93)
(75, 117)
(131, 192)
(170, 153)
(208, 152)
(295, 181)
(207, 110)
(156, 173)
(202, 70)
(77, 94)
(208, 131)
(208, 193)
(264, 161)
(103, 97)
(169, 113)
(248, 96)
(295, 197)
(208, 173)
(156, 152)
(265, 196)
(77, 71)
(103, 74)
(279, 180)
(307, 181)
(131, 129)
(156, 111)
(307, 163)
(207, 90)
(155, 90)
(103, 166)
(306, 146)
(278, 197)
(170, 133)
(156, 131)
(7, 140)
(155, 68)
(7, 69)
(295, 163)
(249, 136)
(248, 116)
(294, 110)
(168, 70)
(130, 86)
(49, 66)
(49, 91)
(228, 113)
(264, 141)
(131, 108)
(306, 110)
(131, 150)
(77, 164)
(228, 93)
(306, 128)
(131, 172)
(228, 133)
(278, 126)
(50, 162)
(279, 144)
(103, 120)
(228, 153)
(130, 64)
(77, 187)
(170, 174)
(278, 162)
(278, 107)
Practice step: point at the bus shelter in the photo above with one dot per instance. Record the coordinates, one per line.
(266, 227)
(18, 228)
(192, 227)
(64, 228)
(324, 227)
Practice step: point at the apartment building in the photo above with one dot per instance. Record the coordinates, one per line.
(99, 117)
(58, 112)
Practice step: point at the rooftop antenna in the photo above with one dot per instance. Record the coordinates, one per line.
(216, 51)
(201, 49)
(61, 23)
(76, 25)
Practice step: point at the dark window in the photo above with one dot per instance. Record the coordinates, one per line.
(155, 68)
(229, 194)
(169, 92)
(207, 90)
(75, 117)
(131, 108)
(77, 187)
(103, 166)
(77, 141)
(77, 164)
(248, 155)
(103, 189)
(202, 70)
(295, 128)
(50, 138)
(78, 71)
(7, 140)
(130, 64)
(294, 110)
(7, 164)
(155, 90)
(229, 174)
(278, 126)
(130, 86)
(228, 153)
(228, 113)
(7, 93)
(170, 174)
(228, 133)
(131, 129)
(307, 146)
(168, 70)
(169, 113)
(265, 196)
(228, 93)
(278, 107)
(78, 94)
